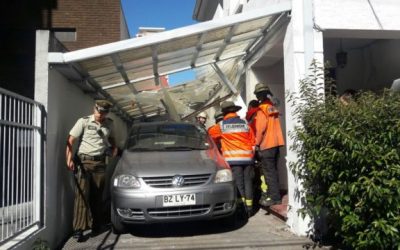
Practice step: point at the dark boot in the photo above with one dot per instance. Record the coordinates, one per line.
(249, 210)
(266, 201)
(79, 236)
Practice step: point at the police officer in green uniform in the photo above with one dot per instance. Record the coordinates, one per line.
(95, 136)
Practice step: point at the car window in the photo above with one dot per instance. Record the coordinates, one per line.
(167, 137)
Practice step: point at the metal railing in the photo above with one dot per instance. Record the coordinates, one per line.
(22, 135)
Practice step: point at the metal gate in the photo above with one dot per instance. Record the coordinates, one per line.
(22, 136)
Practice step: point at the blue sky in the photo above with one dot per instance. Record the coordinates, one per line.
(168, 14)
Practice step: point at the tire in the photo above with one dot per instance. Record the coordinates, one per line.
(118, 227)
(230, 221)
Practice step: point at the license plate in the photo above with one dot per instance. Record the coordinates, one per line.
(179, 200)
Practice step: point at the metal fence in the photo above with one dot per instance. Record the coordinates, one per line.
(22, 135)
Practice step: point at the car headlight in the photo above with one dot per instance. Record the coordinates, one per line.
(126, 181)
(223, 175)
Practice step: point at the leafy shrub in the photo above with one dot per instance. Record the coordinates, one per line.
(40, 244)
(349, 162)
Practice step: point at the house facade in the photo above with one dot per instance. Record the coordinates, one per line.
(359, 40)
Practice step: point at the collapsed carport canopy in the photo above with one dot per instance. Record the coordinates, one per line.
(130, 72)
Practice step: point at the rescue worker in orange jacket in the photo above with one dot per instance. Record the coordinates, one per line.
(269, 138)
(214, 131)
(237, 144)
(252, 109)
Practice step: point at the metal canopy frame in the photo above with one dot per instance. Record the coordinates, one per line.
(132, 73)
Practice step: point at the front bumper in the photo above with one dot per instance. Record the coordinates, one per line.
(213, 201)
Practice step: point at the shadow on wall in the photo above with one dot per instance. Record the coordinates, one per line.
(19, 22)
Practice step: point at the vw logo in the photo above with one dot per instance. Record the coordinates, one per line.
(178, 181)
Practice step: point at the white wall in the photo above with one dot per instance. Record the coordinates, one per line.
(256, 4)
(67, 103)
(302, 44)
(64, 103)
(357, 14)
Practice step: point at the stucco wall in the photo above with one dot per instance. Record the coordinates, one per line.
(64, 103)
(357, 14)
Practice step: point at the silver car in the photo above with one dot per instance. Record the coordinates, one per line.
(170, 171)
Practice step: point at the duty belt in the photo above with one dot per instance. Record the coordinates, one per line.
(92, 158)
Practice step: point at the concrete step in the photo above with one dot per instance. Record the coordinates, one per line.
(280, 210)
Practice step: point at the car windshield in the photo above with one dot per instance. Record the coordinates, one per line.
(167, 137)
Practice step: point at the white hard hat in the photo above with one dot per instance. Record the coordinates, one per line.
(202, 114)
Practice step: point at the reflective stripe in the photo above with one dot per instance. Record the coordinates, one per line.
(237, 152)
(237, 140)
(234, 128)
(247, 159)
(264, 186)
(249, 203)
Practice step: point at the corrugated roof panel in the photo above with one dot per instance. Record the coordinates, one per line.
(212, 45)
(234, 49)
(109, 79)
(137, 63)
(216, 35)
(176, 54)
(102, 71)
(145, 85)
(205, 59)
(137, 73)
(97, 63)
(253, 25)
(138, 68)
(169, 68)
(174, 60)
(208, 51)
(126, 70)
(135, 54)
(177, 44)
(246, 35)
(122, 93)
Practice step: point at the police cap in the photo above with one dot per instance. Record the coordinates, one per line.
(103, 106)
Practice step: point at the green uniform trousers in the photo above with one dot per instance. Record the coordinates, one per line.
(89, 209)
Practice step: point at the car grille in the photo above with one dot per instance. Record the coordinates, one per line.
(166, 181)
(178, 211)
(219, 207)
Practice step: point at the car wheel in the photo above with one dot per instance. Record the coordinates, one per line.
(118, 227)
(229, 221)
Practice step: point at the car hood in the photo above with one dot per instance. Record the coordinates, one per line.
(150, 164)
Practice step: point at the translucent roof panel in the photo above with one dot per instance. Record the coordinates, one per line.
(133, 72)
